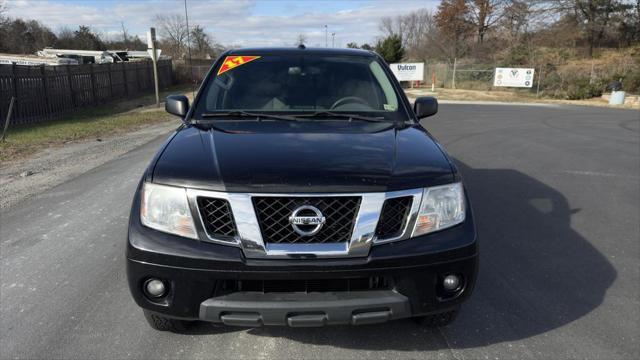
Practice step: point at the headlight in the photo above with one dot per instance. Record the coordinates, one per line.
(441, 207)
(166, 208)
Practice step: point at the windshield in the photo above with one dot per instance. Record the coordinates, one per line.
(299, 84)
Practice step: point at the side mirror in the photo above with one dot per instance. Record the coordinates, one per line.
(177, 105)
(425, 106)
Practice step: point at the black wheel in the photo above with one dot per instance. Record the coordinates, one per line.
(162, 323)
(437, 320)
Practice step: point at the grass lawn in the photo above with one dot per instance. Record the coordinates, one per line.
(506, 96)
(95, 122)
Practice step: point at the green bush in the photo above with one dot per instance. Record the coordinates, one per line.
(630, 81)
(582, 89)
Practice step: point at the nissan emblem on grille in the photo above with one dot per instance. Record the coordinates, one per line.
(307, 220)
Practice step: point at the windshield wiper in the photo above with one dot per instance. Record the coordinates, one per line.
(297, 117)
(246, 114)
(350, 117)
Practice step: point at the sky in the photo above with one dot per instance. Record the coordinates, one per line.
(231, 22)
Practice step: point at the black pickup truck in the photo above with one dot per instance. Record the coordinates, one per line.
(300, 190)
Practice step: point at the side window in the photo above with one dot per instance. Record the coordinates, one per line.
(391, 100)
(218, 91)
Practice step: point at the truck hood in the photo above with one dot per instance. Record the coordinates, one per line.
(283, 157)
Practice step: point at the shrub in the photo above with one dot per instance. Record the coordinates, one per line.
(630, 81)
(582, 89)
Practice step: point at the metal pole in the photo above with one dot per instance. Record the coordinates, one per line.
(433, 81)
(154, 58)
(453, 81)
(326, 36)
(6, 123)
(333, 39)
(446, 75)
(539, 79)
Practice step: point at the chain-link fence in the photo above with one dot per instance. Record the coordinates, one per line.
(568, 80)
(185, 71)
(457, 76)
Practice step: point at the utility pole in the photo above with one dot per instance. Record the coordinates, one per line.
(326, 36)
(151, 43)
(539, 79)
(333, 39)
(453, 81)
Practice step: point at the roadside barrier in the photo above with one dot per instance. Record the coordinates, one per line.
(43, 93)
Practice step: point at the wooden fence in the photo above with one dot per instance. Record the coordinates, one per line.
(47, 92)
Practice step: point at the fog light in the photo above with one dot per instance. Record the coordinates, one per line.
(451, 282)
(154, 288)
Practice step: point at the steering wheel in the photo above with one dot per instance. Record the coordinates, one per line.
(349, 99)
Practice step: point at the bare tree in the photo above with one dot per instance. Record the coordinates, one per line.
(484, 14)
(629, 26)
(452, 19)
(200, 42)
(173, 30)
(422, 35)
(3, 11)
(418, 31)
(592, 17)
(300, 40)
(515, 19)
(20, 36)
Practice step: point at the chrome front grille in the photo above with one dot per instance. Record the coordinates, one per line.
(217, 217)
(260, 224)
(394, 216)
(273, 216)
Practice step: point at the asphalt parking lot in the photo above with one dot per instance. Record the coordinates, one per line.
(556, 194)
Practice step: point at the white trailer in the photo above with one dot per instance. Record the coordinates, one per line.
(101, 57)
(136, 54)
(34, 61)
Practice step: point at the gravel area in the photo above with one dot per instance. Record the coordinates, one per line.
(25, 178)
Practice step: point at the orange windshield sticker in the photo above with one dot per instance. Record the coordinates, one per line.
(231, 62)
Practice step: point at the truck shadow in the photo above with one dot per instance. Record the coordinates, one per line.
(536, 274)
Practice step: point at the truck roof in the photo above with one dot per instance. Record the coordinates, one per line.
(300, 51)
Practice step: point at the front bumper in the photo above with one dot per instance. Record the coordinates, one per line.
(304, 310)
(194, 271)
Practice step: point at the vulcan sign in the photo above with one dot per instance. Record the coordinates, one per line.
(408, 71)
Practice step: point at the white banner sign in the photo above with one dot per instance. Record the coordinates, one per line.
(513, 77)
(408, 71)
(150, 52)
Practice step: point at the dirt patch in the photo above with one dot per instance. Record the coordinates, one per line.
(91, 123)
(50, 167)
(39, 157)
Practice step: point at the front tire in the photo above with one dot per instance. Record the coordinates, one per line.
(162, 323)
(437, 320)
